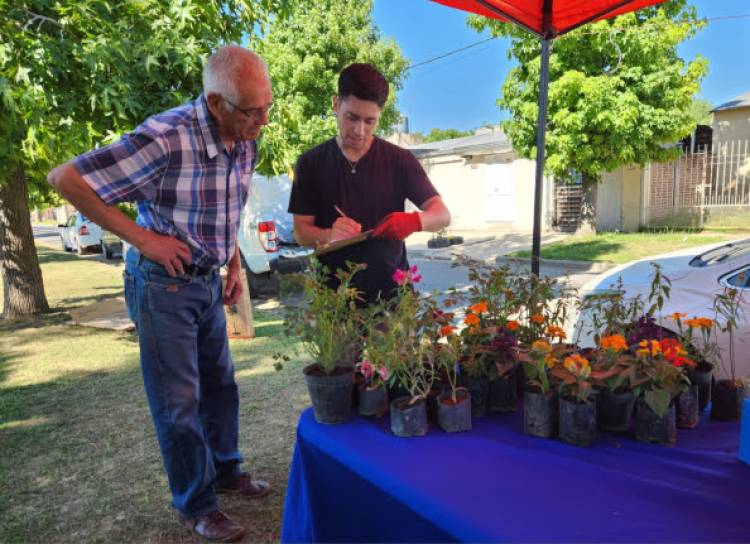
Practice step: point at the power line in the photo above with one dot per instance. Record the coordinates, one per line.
(480, 42)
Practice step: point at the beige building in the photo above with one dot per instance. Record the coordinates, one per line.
(483, 181)
(731, 120)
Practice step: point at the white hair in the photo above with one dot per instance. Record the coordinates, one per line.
(228, 65)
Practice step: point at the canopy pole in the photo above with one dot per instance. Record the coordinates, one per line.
(540, 134)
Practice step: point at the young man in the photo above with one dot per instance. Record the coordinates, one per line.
(356, 182)
(188, 170)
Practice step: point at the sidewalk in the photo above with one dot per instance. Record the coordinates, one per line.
(491, 246)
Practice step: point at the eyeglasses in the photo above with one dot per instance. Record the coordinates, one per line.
(252, 113)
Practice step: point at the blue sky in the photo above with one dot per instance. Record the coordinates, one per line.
(460, 91)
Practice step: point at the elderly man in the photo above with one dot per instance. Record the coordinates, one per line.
(188, 169)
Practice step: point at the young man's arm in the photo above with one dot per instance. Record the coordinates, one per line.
(400, 225)
(434, 215)
(165, 250)
(307, 234)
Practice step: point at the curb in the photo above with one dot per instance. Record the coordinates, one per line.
(444, 253)
(578, 266)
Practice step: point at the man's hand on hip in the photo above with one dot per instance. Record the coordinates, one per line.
(233, 288)
(169, 252)
(398, 226)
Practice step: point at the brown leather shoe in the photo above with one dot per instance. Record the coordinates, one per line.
(215, 526)
(245, 486)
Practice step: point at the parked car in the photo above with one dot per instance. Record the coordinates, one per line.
(266, 237)
(697, 275)
(80, 234)
(111, 245)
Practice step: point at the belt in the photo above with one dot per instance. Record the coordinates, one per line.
(193, 270)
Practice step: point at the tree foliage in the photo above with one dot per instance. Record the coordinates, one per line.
(439, 134)
(618, 90)
(76, 73)
(306, 52)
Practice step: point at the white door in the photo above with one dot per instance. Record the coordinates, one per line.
(500, 204)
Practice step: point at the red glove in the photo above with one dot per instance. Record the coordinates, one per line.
(398, 225)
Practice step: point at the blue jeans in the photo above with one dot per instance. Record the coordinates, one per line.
(188, 376)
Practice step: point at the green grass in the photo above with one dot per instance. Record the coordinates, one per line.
(623, 247)
(78, 455)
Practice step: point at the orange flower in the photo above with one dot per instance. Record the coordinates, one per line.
(700, 323)
(447, 330)
(677, 316)
(615, 342)
(471, 319)
(478, 308)
(537, 319)
(541, 346)
(577, 365)
(555, 332)
(512, 325)
(550, 361)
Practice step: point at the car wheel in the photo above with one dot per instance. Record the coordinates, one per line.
(266, 283)
(107, 252)
(79, 248)
(64, 245)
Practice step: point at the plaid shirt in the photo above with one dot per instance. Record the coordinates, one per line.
(185, 183)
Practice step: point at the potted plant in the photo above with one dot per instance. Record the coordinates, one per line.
(617, 400)
(329, 324)
(659, 383)
(372, 400)
(696, 337)
(403, 332)
(577, 412)
(687, 411)
(729, 393)
(502, 357)
(454, 402)
(475, 368)
(540, 400)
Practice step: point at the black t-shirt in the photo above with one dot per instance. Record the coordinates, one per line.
(385, 177)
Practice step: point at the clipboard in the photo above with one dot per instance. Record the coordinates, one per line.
(338, 244)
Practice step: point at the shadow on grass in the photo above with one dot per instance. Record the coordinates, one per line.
(580, 251)
(67, 304)
(48, 255)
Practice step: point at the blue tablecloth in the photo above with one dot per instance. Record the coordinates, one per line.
(358, 483)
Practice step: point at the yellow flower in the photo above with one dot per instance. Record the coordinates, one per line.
(649, 347)
(550, 361)
(615, 342)
(471, 319)
(541, 346)
(478, 308)
(537, 319)
(512, 325)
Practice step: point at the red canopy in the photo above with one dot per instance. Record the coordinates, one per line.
(566, 15)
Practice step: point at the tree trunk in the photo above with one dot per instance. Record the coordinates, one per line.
(588, 205)
(23, 289)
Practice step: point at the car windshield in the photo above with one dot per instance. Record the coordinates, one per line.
(722, 254)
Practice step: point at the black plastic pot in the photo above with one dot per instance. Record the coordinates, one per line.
(726, 404)
(373, 401)
(454, 417)
(687, 408)
(503, 393)
(649, 427)
(408, 419)
(479, 391)
(701, 377)
(615, 410)
(540, 413)
(331, 394)
(577, 422)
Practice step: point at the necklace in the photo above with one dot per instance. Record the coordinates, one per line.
(352, 165)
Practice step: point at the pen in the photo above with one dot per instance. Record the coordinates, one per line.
(342, 214)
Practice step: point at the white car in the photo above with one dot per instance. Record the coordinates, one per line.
(697, 275)
(80, 234)
(266, 236)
